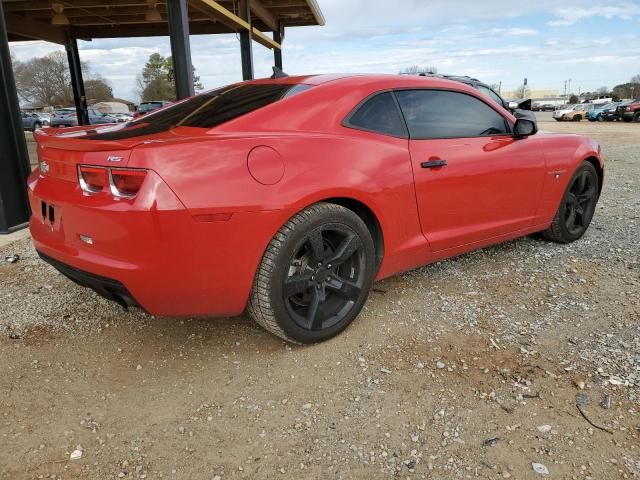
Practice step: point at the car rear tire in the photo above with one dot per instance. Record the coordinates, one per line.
(576, 207)
(315, 276)
(636, 117)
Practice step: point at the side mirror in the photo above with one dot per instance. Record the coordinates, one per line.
(524, 128)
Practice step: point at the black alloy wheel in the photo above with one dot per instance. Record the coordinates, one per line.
(580, 202)
(577, 206)
(325, 278)
(315, 275)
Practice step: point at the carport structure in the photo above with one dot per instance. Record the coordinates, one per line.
(65, 21)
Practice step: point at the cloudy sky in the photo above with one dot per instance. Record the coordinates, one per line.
(593, 42)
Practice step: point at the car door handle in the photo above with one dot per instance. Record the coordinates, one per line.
(433, 163)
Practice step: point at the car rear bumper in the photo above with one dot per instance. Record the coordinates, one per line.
(103, 286)
(150, 251)
(63, 123)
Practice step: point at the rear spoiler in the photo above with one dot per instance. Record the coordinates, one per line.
(66, 141)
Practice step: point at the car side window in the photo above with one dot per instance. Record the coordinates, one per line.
(447, 114)
(378, 114)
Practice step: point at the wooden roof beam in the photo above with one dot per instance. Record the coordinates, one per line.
(260, 11)
(34, 30)
(234, 21)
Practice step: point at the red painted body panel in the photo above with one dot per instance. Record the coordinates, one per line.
(173, 263)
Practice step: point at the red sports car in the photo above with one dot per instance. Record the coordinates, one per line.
(288, 197)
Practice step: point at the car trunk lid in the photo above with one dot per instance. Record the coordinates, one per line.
(59, 153)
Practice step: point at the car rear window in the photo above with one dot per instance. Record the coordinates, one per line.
(145, 107)
(206, 110)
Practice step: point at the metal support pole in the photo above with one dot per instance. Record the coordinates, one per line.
(14, 157)
(278, 36)
(77, 83)
(178, 19)
(246, 51)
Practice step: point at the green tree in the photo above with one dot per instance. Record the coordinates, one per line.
(157, 80)
(574, 99)
(197, 84)
(97, 90)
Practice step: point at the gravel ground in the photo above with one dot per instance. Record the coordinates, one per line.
(517, 361)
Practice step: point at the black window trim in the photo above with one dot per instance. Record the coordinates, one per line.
(507, 121)
(347, 121)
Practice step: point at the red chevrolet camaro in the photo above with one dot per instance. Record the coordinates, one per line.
(288, 197)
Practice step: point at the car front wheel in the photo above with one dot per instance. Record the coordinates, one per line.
(576, 207)
(315, 276)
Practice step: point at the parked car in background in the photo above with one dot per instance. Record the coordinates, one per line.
(603, 100)
(122, 117)
(147, 107)
(71, 120)
(574, 113)
(45, 118)
(598, 113)
(631, 111)
(61, 113)
(542, 107)
(31, 121)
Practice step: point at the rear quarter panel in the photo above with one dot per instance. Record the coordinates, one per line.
(211, 176)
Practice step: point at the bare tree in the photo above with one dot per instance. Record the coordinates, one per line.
(523, 91)
(47, 81)
(417, 70)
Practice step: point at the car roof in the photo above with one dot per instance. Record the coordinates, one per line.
(381, 80)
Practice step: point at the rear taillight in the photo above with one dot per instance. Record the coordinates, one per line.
(120, 182)
(93, 179)
(53, 114)
(126, 182)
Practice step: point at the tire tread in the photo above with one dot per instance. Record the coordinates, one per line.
(259, 306)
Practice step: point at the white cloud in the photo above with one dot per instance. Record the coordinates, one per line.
(571, 15)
